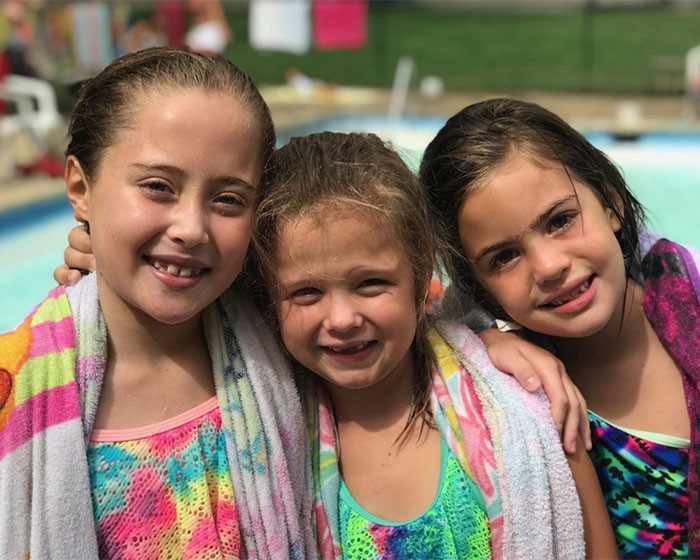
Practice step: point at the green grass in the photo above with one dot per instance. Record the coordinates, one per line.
(605, 51)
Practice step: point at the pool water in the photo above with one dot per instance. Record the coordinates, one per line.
(29, 252)
(663, 170)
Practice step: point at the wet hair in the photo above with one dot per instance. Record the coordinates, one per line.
(318, 174)
(481, 137)
(106, 103)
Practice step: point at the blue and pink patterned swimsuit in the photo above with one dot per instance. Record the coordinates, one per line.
(164, 491)
(645, 490)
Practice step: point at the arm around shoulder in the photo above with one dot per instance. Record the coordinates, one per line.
(600, 541)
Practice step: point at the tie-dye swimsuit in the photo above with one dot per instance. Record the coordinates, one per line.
(454, 526)
(164, 491)
(645, 489)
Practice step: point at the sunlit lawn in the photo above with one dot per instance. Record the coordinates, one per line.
(600, 51)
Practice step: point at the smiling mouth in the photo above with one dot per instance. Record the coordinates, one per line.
(174, 270)
(573, 295)
(350, 349)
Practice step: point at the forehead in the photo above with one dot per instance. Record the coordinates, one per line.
(509, 199)
(190, 127)
(173, 101)
(333, 238)
(522, 175)
(333, 222)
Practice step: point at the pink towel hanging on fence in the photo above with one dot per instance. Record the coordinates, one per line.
(339, 24)
(4, 70)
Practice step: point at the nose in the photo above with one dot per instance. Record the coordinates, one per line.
(189, 224)
(549, 262)
(342, 313)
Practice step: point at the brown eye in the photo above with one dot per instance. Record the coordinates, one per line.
(561, 221)
(157, 186)
(159, 191)
(229, 199)
(372, 286)
(503, 258)
(305, 296)
(372, 282)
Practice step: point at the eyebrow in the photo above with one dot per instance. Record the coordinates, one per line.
(219, 180)
(314, 280)
(535, 224)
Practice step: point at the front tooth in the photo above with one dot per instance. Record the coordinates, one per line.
(582, 289)
(351, 348)
(185, 272)
(172, 269)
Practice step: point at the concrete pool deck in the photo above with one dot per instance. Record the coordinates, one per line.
(619, 114)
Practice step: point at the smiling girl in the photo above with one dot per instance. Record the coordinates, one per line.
(422, 449)
(135, 407)
(543, 229)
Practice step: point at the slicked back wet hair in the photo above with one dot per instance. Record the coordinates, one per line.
(107, 103)
(481, 136)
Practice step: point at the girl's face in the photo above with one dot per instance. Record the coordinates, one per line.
(544, 249)
(171, 208)
(345, 300)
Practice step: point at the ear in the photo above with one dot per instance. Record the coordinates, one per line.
(616, 205)
(613, 219)
(77, 188)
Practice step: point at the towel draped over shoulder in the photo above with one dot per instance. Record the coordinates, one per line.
(672, 305)
(51, 372)
(503, 437)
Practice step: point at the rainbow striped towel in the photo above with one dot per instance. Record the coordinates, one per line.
(51, 370)
(503, 437)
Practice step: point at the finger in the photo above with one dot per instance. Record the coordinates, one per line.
(585, 425)
(525, 374)
(578, 408)
(79, 239)
(66, 276)
(548, 371)
(559, 407)
(573, 419)
(547, 368)
(78, 260)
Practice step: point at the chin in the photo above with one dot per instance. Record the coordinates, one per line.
(581, 330)
(173, 316)
(351, 384)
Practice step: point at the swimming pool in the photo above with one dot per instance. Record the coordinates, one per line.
(663, 169)
(31, 245)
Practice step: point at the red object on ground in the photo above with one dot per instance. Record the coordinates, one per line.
(339, 24)
(46, 164)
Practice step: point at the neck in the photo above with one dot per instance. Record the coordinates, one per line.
(622, 338)
(384, 404)
(135, 337)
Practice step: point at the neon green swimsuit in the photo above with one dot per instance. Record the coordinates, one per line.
(454, 526)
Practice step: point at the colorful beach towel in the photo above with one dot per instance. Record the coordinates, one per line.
(504, 439)
(51, 370)
(672, 305)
